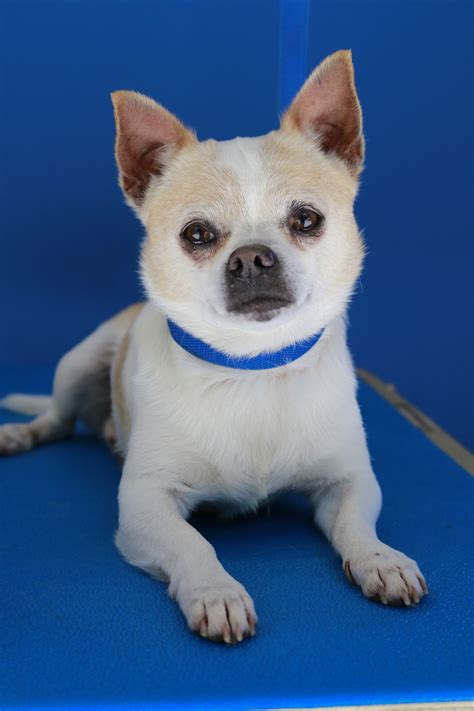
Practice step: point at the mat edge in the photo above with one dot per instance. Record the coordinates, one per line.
(423, 706)
(418, 419)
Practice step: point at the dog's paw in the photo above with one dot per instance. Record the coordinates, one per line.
(387, 576)
(16, 438)
(222, 612)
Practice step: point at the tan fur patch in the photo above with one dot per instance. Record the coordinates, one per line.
(125, 320)
(127, 316)
(292, 162)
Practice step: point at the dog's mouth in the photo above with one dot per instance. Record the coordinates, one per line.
(261, 308)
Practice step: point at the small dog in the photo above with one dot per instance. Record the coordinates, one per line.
(234, 381)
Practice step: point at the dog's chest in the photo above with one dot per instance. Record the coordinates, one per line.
(257, 434)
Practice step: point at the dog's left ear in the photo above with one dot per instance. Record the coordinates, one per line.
(327, 107)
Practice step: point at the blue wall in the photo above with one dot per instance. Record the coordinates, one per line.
(63, 215)
(412, 320)
(215, 64)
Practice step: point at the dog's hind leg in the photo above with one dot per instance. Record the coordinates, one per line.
(81, 390)
(72, 379)
(20, 437)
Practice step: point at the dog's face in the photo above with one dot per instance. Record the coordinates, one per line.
(251, 243)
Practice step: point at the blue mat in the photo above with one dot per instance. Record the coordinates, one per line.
(82, 628)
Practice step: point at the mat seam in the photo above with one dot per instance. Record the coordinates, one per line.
(444, 441)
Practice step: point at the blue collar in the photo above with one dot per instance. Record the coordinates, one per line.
(263, 361)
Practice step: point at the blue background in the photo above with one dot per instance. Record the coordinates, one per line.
(69, 246)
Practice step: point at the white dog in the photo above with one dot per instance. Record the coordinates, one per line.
(234, 380)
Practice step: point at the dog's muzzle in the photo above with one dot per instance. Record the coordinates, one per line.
(255, 283)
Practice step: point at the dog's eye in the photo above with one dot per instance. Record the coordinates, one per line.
(304, 219)
(197, 233)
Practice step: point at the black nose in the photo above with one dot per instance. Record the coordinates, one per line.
(250, 261)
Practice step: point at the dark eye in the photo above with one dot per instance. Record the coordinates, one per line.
(304, 219)
(197, 233)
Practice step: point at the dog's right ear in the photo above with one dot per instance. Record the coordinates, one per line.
(147, 137)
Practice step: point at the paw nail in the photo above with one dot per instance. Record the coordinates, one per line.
(424, 586)
(348, 572)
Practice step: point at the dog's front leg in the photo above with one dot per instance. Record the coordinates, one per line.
(154, 535)
(346, 509)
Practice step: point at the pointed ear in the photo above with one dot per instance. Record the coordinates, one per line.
(147, 136)
(327, 107)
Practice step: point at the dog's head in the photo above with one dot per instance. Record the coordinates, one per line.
(251, 243)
